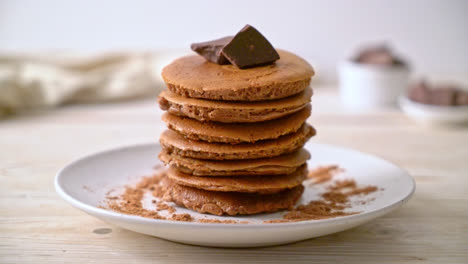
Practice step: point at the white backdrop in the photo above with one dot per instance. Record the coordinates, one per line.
(432, 33)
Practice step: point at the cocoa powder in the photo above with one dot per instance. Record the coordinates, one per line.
(216, 221)
(181, 217)
(332, 203)
(324, 173)
(130, 201)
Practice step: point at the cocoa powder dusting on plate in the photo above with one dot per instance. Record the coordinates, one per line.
(217, 221)
(160, 206)
(130, 201)
(181, 217)
(324, 173)
(333, 201)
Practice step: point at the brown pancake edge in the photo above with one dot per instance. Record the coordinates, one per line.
(233, 112)
(284, 164)
(173, 142)
(192, 76)
(265, 184)
(232, 203)
(235, 133)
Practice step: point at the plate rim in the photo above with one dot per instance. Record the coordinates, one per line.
(143, 220)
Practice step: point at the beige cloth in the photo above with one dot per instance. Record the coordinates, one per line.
(37, 81)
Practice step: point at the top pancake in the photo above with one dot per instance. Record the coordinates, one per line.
(193, 76)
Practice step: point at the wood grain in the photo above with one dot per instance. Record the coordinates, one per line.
(36, 226)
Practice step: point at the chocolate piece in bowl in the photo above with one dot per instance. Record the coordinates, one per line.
(461, 98)
(419, 92)
(442, 94)
(379, 55)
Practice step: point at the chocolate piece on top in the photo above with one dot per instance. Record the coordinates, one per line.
(211, 50)
(249, 48)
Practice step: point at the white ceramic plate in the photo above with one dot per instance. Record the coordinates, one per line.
(434, 114)
(85, 182)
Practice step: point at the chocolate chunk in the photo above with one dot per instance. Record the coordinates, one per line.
(419, 92)
(461, 98)
(211, 50)
(443, 96)
(379, 55)
(249, 48)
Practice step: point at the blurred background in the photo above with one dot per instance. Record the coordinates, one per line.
(430, 34)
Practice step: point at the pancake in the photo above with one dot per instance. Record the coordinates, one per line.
(193, 76)
(173, 142)
(235, 133)
(284, 164)
(232, 112)
(232, 203)
(258, 184)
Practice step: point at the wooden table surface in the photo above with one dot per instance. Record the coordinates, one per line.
(36, 226)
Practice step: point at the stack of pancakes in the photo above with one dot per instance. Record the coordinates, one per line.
(235, 137)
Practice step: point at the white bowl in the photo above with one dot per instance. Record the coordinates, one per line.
(368, 86)
(434, 114)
